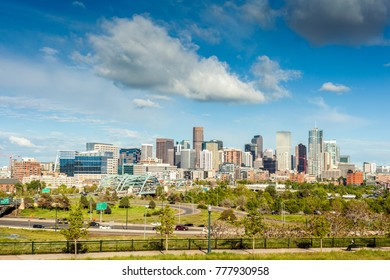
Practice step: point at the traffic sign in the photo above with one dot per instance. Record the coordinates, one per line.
(101, 206)
(46, 190)
(4, 201)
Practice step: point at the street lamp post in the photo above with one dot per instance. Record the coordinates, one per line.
(146, 206)
(209, 231)
(55, 225)
(127, 214)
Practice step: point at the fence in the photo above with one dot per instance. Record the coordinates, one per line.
(56, 247)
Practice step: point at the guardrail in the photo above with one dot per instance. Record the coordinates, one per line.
(57, 247)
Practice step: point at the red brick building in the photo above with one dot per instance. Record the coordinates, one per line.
(355, 178)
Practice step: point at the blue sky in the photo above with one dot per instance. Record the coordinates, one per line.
(126, 72)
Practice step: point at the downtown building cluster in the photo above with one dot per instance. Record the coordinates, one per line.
(201, 159)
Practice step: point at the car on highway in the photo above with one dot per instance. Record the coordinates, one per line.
(105, 227)
(181, 227)
(62, 221)
(38, 226)
(94, 224)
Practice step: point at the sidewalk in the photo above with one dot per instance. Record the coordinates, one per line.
(105, 255)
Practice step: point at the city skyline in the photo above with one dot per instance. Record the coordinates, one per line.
(130, 72)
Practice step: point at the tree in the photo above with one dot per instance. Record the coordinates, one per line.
(75, 229)
(62, 202)
(45, 201)
(124, 202)
(167, 223)
(320, 227)
(254, 226)
(228, 215)
(84, 203)
(152, 204)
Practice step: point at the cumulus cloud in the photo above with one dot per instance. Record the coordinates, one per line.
(21, 141)
(271, 75)
(145, 103)
(338, 88)
(138, 54)
(352, 22)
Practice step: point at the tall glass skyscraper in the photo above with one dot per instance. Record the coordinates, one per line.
(258, 140)
(315, 157)
(197, 143)
(283, 150)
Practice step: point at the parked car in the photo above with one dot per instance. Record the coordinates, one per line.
(38, 226)
(105, 227)
(94, 224)
(181, 227)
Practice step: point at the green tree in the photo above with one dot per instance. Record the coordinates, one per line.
(320, 227)
(167, 220)
(45, 201)
(152, 204)
(228, 215)
(254, 226)
(124, 202)
(75, 229)
(84, 203)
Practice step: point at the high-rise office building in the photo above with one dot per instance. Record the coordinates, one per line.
(206, 160)
(333, 154)
(283, 150)
(187, 159)
(165, 150)
(127, 157)
(247, 159)
(233, 156)
(102, 147)
(258, 141)
(315, 152)
(90, 162)
(213, 148)
(301, 158)
(252, 148)
(197, 143)
(146, 151)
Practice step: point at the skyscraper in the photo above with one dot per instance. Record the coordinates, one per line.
(206, 160)
(330, 147)
(301, 158)
(146, 151)
(315, 153)
(283, 150)
(213, 147)
(165, 150)
(258, 140)
(197, 143)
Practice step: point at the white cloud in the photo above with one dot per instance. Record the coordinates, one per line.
(49, 54)
(78, 4)
(21, 141)
(138, 54)
(145, 103)
(387, 64)
(122, 132)
(338, 88)
(333, 114)
(271, 76)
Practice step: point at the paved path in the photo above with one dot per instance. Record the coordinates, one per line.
(105, 255)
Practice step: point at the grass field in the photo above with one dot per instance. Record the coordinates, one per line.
(356, 255)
